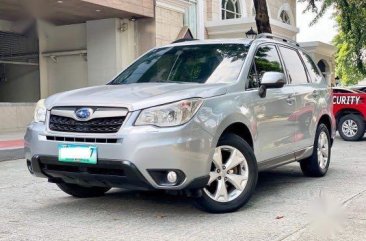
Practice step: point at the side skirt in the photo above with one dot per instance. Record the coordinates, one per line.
(285, 159)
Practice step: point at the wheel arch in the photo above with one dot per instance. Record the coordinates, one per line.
(241, 130)
(327, 121)
(236, 124)
(347, 111)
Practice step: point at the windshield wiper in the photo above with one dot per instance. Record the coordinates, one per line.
(170, 81)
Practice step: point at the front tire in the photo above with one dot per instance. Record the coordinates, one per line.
(233, 176)
(82, 192)
(351, 127)
(318, 163)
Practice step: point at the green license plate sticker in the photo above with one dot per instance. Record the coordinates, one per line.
(77, 153)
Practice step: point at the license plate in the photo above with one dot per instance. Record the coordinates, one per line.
(77, 153)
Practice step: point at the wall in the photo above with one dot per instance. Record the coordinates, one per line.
(127, 45)
(111, 47)
(234, 28)
(288, 5)
(15, 116)
(330, 65)
(21, 85)
(168, 25)
(213, 8)
(102, 55)
(138, 7)
(146, 35)
(65, 72)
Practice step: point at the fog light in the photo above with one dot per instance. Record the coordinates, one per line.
(172, 177)
(167, 177)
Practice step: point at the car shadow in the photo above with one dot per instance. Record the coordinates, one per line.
(158, 203)
(339, 138)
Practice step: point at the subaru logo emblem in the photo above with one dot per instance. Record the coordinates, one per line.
(83, 113)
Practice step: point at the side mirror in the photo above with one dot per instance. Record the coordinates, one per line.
(271, 80)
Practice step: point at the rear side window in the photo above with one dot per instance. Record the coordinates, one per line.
(341, 91)
(266, 59)
(313, 70)
(295, 68)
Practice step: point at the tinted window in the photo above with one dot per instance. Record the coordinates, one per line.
(340, 91)
(194, 63)
(344, 91)
(294, 66)
(313, 70)
(266, 59)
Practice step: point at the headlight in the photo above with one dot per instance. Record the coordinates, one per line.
(174, 114)
(40, 112)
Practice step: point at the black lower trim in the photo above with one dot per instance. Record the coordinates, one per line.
(198, 183)
(106, 173)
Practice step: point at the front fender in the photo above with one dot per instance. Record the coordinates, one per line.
(220, 112)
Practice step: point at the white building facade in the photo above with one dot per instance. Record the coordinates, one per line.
(87, 42)
(233, 18)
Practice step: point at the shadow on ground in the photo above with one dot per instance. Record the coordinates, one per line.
(271, 184)
(158, 202)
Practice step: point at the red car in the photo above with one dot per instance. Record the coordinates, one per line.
(349, 108)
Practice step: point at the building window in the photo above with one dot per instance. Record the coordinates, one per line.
(285, 18)
(230, 9)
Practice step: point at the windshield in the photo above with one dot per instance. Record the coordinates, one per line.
(209, 63)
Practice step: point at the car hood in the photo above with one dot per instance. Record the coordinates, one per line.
(134, 96)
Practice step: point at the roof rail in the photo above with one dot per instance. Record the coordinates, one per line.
(183, 40)
(271, 36)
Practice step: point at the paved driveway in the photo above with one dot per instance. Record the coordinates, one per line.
(286, 206)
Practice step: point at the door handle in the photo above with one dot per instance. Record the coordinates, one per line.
(315, 94)
(290, 99)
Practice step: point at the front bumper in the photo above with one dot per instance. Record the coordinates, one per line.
(137, 151)
(105, 174)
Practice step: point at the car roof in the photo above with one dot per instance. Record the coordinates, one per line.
(244, 41)
(211, 41)
(347, 89)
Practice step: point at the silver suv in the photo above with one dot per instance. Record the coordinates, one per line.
(194, 117)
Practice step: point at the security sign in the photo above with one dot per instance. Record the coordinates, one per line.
(346, 100)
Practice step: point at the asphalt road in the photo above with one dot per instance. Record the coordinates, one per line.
(285, 206)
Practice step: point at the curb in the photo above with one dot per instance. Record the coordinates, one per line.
(11, 154)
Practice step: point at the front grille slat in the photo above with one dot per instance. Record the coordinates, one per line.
(86, 140)
(98, 125)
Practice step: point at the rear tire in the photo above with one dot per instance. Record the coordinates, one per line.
(237, 176)
(351, 127)
(82, 192)
(318, 163)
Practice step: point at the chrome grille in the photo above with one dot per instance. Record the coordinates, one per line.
(103, 120)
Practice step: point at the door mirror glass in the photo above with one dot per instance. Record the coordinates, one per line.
(273, 80)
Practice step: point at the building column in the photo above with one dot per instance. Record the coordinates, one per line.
(43, 77)
(200, 19)
(111, 47)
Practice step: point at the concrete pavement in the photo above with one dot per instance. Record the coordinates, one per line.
(285, 206)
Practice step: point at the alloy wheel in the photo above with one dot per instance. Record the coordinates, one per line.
(323, 150)
(228, 175)
(349, 128)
